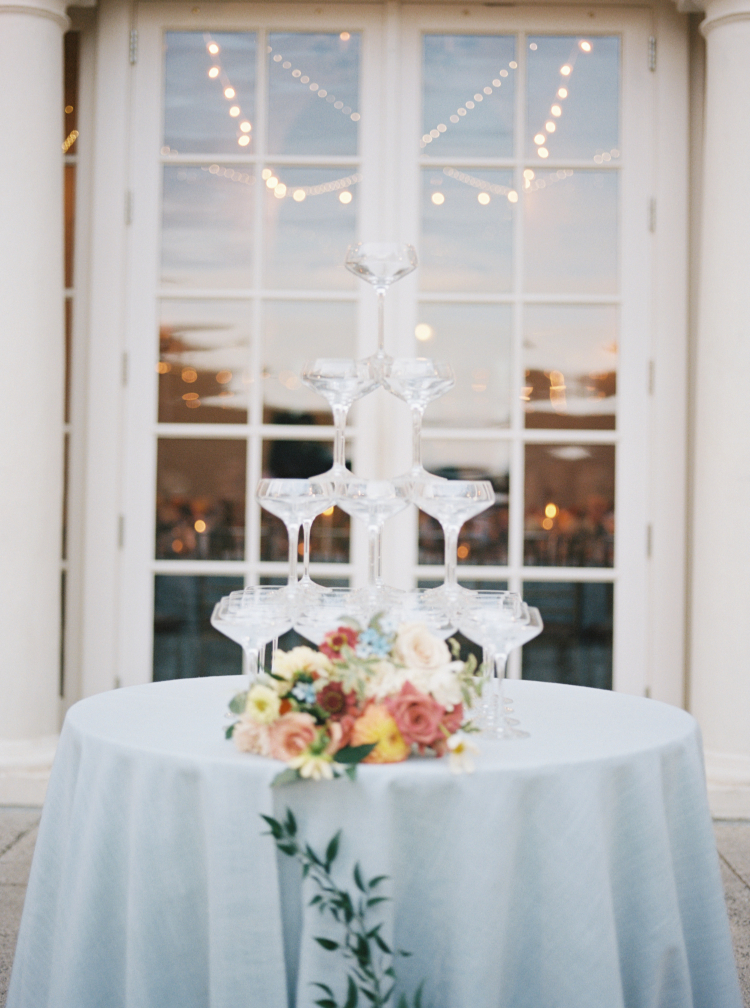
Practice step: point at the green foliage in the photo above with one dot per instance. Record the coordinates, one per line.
(369, 958)
(238, 702)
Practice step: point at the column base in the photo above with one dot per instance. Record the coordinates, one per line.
(728, 777)
(25, 766)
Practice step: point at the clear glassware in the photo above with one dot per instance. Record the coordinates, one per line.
(420, 607)
(294, 501)
(258, 615)
(417, 380)
(381, 264)
(330, 609)
(374, 502)
(452, 503)
(341, 381)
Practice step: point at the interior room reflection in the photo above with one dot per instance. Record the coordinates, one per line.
(569, 505)
(483, 539)
(576, 646)
(200, 499)
(185, 643)
(297, 459)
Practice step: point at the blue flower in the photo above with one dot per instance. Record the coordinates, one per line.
(304, 693)
(372, 644)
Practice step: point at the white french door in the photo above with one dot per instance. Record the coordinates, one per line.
(511, 147)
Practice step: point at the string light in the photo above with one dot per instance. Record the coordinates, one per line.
(468, 105)
(340, 106)
(69, 140)
(477, 183)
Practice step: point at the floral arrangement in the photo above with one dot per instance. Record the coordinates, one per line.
(371, 695)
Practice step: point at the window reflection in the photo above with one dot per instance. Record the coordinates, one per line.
(185, 643)
(207, 77)
(571, 235)
(573, 97)
(570, 366)
(313, 93)
(475, 339)
(296, 459)
(467, 230)
(483, 539)
(207, 221)
(200, 499)
(576, 646)
(204, 366)
(293, 332)
(468, 95)
(569, 505)
(310, 217)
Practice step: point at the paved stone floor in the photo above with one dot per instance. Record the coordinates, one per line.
(18, 828)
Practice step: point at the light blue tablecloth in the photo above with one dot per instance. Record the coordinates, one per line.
(575, 869)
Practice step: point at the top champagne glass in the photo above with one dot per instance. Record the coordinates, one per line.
(381, 264)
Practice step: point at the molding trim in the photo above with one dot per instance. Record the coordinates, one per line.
(51, 10)
(710, 23)
(727, 769)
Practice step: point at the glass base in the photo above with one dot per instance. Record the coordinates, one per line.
(490, 715)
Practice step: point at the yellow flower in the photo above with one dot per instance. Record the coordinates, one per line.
(314, 767)
(262, 704)
(377, 725)
(299, 659)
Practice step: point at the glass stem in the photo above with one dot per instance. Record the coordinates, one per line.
(381, 321)
(451, 546)
(374, 574)
(293, 533)
(339, 444)
(306, 526)
(252, 664)
(417, 412)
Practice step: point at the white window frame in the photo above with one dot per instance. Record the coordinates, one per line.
(116, 595)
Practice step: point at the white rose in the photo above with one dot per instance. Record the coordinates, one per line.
(385, 680)
(300, 659)
(443, 684)
(417, 648)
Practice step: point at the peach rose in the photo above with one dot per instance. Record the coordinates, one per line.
(417, 715)
(251, 736)
(290, 735)
(377, 726)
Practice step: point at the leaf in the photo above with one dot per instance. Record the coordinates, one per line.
(402, 1002)
(358, 878)
(326, 1003)
(237, 703)
(351, 999)
(315, 900)
(287, 848)
(378, 899)
(376, 881)
(322, 986)
(418, 996)
(354, 754)
(351, 771)
(331, 946)
(287, 776)
(332, 850)
(230, 730)
(455, 647)
(404, 953)
(275, 826)
(291, 822)
(312, 855)
(382, 945)
(369, 994)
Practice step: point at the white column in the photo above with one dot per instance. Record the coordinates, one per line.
(720, 652)
(31, 354)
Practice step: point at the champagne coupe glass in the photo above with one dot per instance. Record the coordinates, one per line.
(294, 501)
(331, 608)
(417, 380)
(259, 615)
(419, 607)
(325, 501)
(381, 264)
(374, 501)
(452, 502)
(341, 381)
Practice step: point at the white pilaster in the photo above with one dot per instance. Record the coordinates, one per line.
(31, 338)
(720, 635)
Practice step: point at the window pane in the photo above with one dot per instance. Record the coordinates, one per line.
(203, 110)
(313, 93)
(293, 332)
(203, 367)
(310, 220)
(475, 339)
(69, 180)
(576, 644)
(484, 539)
(570, 501)
(468, 95)
(287, 459)
(573, 86)
(200, 499)
(571, 232)
(185, 643)
(570, 366)
(467, 230)
(207, 221)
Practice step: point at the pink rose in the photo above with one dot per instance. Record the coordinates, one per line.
(451, 722)
(340, 733)
(250, 736)
(417, 715)
(290, 735)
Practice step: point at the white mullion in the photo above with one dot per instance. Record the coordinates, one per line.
(245, 293)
